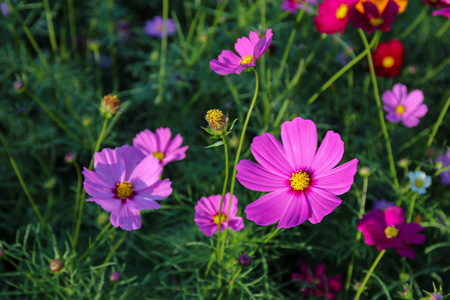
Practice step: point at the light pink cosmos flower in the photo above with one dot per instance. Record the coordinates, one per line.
(207, 214)
(123, 187)
(249, 49)
(156, 26)
(303, 183)
(160, 145)
(294, 5)
(387, 229)
(401, 106)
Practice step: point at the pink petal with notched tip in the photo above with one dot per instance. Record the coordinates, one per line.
(299, 139)
(115, 164)
(125, 218)
(410, 121)
(146, 173)
(269, 208)
(394, 216)
(413, 101)
(244, 47)
(409, 233)
(390, 100)
(269, 152)
(329, 153)
(321, 203)
(97, 185)
(295, 212)
(158, 191)
(338, 180)
(255, 177)
(405, 251)
(108, 204)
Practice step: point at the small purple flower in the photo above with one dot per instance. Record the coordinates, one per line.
(123, 185)
(156, 27)
(249, 49)
(401, 106)
(294, 5)
(382, 204)
(4, 9)
(207, 214)
(114, 277)
(444, 159)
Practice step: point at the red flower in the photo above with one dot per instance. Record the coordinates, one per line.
(388, 58)
(317, 284)
(333, 16)
(369, 16)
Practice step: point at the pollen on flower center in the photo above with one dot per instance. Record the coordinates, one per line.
(391, 232)
(124, 190)
(300, 180)
(418, 183)
(341, 12)
(400, 109)
(246, 60)
(376, 22)
(214, 117)
(216, 219)
(388, 61)
(159, 155)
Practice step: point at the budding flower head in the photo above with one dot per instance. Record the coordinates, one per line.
(218, 123)
(18, 85)
(110, 105)
(403, 163)
(56, 265)
(245, 260)
(114, 276)
(69, 157)
(364, 171)
(102, 218)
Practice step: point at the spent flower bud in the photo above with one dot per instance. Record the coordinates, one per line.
(69, 157)
(245, 260)
(56, 265)
(114, 276)
(110, 105)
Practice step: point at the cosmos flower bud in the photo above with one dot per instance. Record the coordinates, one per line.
(56, 265)
(110, 105)
(217, 121)
(69, 157)
(245, 260)
(114, 276)
(364, 172)
(18, 85)
(403, 163)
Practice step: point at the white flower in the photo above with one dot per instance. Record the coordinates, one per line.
(419, 181)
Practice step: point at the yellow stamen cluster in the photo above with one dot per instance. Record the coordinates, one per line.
(418, 183)
(341, 12)
(110, 105)
(216, 219)
(300, 180)
(159, 155)
(375, 22)
(400, 109)
(391, 232)
(124, 190)
(388, 61)
(215, 118)
(248, 59)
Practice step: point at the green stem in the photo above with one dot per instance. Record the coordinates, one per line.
(162, 64)
(113, 50)
(411, 208)
(271, 235)
(344, 69)
(92, 245)
(83, 195)
(438, 122)
(73, 27)
(380, 109)
(414, 24)
(78, 192)
(443, 29)
(51, 30)
(372, 268)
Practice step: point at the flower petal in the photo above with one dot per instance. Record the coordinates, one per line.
(257, 178)
(338, 180)
(390, 99)
(146, 173)
(321, 203)
(296, 211)
(269, 208)
(394, 216)
(236, 223)
(269, 152)
(125, 218)
(409, 233)
(244, 46)
(329, 154)
(108, 204)
(413, 101)
(96, 185)
(405, 251)
(158, 191)
(300, 142)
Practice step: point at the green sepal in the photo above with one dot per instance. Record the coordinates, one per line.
(216, 144)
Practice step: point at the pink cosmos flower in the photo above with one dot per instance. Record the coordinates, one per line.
(401, 106)
(156, 28)
(207, 214)
(160, 145)
(303, 183)
(294, 5)
(333, 16)
(443, 12)
(319, 285)
(123, 187)
(249, 49)
(387, 229)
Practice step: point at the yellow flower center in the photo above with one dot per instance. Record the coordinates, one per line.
(214, 117)
(418, 183)
(300, 180)
(341, 12)
(391, 232)
(388, 61)
(159, 155)
(316, 281)
(375, 22)
(246, 60)
(124, 190)
(216, 219)
(400, 109)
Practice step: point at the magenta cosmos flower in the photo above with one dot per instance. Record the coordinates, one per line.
(333, 16)
(443, 12)
(444, 159)
(294, 5)
(387, 229)
(207, 214)
(302, 182)
(156, 26)
(160, 145)
(368, 16)
(401, 106)
(319, 285)
(123, 187)
(249, 49)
